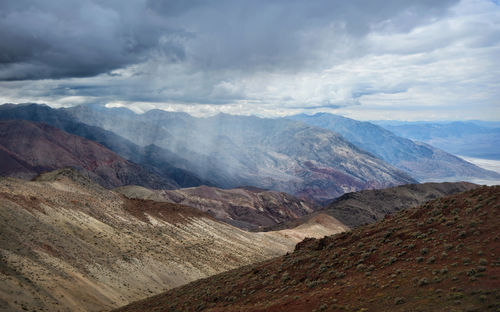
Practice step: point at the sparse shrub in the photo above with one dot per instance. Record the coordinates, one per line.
(340, 274)
(399, 300)
(483, 261)
(423, 281)
(424, 251)
(361, 267)
(285, 277)
(431, 260)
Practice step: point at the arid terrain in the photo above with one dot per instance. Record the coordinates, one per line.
(245, 207)
(441, 256)
(67, 244)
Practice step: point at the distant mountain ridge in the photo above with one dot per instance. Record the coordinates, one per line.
(274, 154)
(422, 161)
(28, 149)
(147, 157)
(465, 138)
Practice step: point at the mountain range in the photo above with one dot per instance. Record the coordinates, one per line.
(28, 149)
(232, 151)
(101, 207)
(467, 138)
(420, 160)
(226, 151)
(130, 151)
(320, 160)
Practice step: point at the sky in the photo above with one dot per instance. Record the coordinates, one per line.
(364, 59)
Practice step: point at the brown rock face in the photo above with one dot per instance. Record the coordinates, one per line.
(28, 149)
(247, 208)
(441, 256)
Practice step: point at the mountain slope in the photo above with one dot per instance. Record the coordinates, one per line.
(471, 138)
(28, 149)
(152, 157)
(368, 206)
(281, 155)
(247, 208)
(67, 244)
(422, 161)
(442, 256)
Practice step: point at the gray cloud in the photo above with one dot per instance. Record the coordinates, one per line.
(59, 38)
(271, 58)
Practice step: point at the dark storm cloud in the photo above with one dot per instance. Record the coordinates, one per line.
(286, 33)
(60, 38)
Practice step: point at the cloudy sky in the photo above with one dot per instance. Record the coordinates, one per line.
(366, 59)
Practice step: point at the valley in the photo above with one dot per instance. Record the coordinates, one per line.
(93, 220)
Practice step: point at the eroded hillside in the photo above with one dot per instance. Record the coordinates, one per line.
(441, 256)
(68, 244)
(245, 207)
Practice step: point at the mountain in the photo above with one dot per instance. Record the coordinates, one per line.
(150, 157)
(67, 244)
(248, 208)
(466, 138)
(232, 151)
(368, 206)
(422, 161)
(28, 149)
(441, 256)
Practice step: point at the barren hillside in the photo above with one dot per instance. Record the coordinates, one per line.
(441, 256)
(247, 208)
(68, 244)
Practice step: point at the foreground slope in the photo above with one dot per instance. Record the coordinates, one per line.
(232, 151)
(28, 148)
(67, 244)
(442, 256)
(422, 161)
(245, 207)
